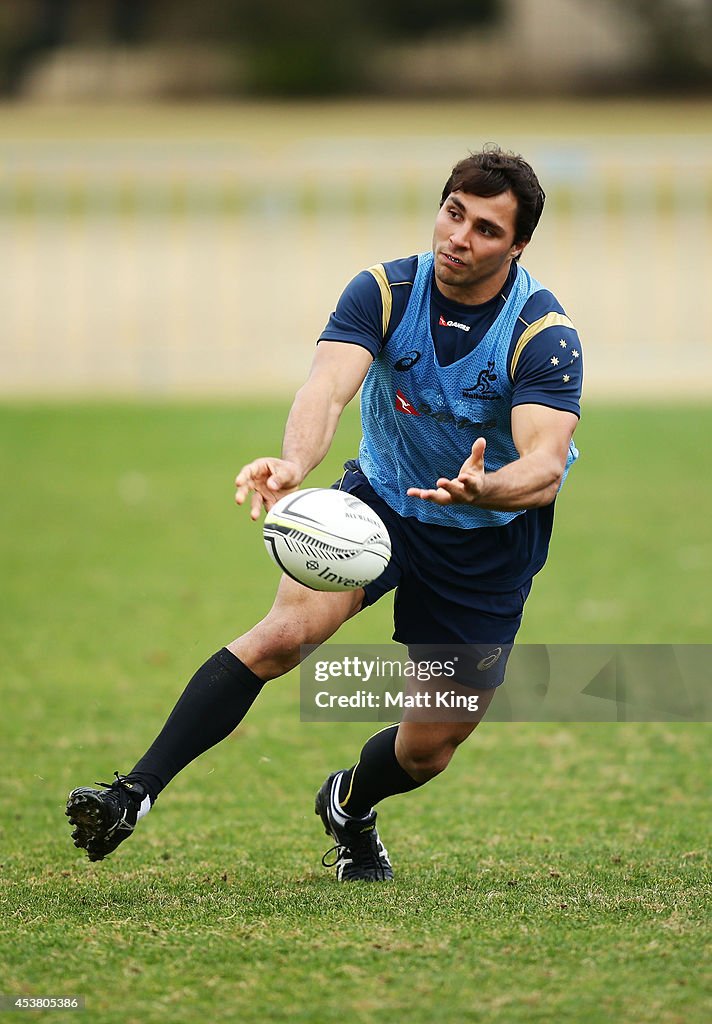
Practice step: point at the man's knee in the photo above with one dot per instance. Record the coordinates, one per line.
(270, 648)
(297, 617)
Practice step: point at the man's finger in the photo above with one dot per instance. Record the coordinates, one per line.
(241, 493)
(245, 484)
(439, 496)
(474, 464)
(252, 471)
(245, 474)
(455, 488)
(478, 450)
(255, 505)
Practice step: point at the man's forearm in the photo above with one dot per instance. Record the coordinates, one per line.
(311, 426)
(531, 482)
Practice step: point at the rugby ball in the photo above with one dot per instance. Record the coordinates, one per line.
(327, 539)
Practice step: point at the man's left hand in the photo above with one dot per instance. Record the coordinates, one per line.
(466, 489)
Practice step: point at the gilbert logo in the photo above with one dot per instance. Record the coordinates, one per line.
(452, 323)
(403, 405)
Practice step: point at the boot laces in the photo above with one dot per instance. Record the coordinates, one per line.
(120, 783)
(363, 851)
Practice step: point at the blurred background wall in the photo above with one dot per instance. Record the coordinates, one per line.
(117, 49)
(185, 188)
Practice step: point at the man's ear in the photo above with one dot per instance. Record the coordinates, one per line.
(519, 247)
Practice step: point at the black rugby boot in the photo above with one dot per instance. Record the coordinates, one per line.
(103, 818)
(359, 854)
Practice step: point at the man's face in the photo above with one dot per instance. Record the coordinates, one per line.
(473, 245)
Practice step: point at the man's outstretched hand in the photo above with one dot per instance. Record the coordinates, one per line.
(268, 480)
(466, 489)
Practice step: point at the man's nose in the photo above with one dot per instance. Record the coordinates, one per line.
(458, 235)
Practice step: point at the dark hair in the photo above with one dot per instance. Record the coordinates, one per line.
(493, 171)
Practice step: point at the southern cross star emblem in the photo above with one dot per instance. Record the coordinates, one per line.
(566, 378)
(554, 361)
(574, 353)
(562, 343)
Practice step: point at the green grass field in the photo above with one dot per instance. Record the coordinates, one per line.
(554, 873)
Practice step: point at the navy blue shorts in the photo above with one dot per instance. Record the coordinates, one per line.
(435, 605)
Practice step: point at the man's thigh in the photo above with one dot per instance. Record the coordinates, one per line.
(317, 613)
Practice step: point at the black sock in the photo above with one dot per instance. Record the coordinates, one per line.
(376, 776)
(213, 703)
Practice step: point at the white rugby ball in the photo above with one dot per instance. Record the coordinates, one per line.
(327, 539)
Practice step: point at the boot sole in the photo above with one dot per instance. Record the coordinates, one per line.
(85, 811)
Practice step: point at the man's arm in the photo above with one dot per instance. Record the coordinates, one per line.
(542, 436)
(336, 374)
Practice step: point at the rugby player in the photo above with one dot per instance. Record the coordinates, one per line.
(471, 374)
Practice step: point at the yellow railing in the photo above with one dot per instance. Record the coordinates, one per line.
(167, 268)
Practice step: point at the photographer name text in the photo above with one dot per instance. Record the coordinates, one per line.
(361, 699)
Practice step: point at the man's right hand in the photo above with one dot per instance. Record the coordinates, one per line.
(268, 480)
